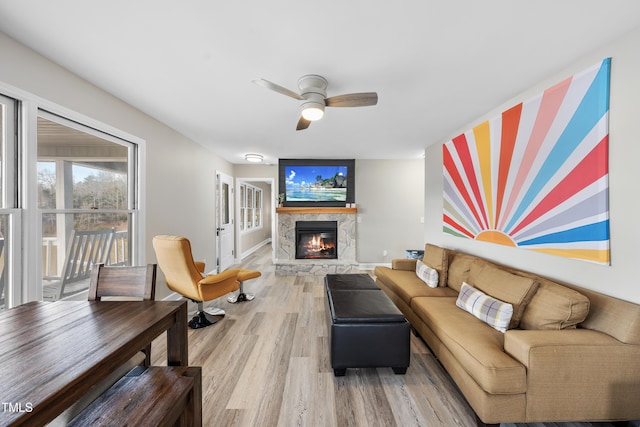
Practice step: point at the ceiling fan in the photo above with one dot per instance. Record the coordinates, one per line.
(313, 97)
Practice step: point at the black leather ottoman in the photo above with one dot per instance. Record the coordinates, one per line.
(366, 329)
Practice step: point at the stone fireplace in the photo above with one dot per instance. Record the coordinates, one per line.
(326, 254)
(316, 239)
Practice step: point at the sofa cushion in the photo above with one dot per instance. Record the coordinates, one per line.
(511, 288)
(459, 267)
(427, 274)
(613, 316)
(554, 307)
(478, 347)
(406, 285)
(491, 311)
(438, 259)
(404, 264)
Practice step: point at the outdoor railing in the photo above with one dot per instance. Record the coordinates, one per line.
(50, 255)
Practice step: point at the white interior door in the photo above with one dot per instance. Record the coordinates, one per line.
(224, 225)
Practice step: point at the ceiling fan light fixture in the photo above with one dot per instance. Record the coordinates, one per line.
(313, 98)
(312, 112)
(253, 158)
(312, 106)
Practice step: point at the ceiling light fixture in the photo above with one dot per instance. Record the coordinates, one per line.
(312, 113)
(254, 158)
(313, 107)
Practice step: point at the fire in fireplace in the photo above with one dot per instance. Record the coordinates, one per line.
(316, 239)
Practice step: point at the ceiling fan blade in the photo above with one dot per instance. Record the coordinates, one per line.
(277, 88)
(353, 100)
(303, 124)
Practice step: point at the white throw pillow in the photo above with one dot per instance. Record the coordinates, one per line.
(427, 274)
(491, 311)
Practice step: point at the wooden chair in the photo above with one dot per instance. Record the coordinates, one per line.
(85, 249)
(129, 282)
(115, 282)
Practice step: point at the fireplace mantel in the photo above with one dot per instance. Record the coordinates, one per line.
(297, 210)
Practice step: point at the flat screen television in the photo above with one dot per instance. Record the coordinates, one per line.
(315, 182)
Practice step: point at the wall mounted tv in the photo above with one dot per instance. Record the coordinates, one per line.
(315, 182)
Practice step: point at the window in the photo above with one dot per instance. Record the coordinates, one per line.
(250, 203)
(84, 188)
(5, 246)
(243, 206)
(61, 177)
(250, 207)
(257, 208)
(9, 216)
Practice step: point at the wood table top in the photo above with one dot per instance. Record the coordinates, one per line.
(52, 353)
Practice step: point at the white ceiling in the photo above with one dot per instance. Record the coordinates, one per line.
(436, 65)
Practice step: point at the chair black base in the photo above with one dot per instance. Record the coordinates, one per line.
(203, 319)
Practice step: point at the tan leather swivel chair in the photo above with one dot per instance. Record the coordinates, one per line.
(186, 277)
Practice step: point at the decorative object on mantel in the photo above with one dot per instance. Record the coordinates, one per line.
(280, 199)
(536, 176)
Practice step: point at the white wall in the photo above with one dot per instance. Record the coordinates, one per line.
(390, 208)
(621, 278)
(180, 174)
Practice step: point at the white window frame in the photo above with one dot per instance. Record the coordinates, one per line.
(12, 245)
(27, 279)
(248, 213)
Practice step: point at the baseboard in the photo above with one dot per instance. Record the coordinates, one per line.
(253, 249)
(373, 265)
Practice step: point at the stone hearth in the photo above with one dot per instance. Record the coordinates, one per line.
(286, 262)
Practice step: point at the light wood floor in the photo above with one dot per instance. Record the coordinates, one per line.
(266, 364)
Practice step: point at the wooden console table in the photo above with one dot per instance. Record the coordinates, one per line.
(53, 353)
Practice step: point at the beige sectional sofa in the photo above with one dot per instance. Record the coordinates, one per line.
(569, 354)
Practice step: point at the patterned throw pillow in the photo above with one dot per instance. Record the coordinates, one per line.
(491, 311)
(427, 274)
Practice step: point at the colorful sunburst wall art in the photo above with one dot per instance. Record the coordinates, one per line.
(536, 177)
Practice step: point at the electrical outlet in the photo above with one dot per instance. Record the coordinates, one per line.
(385, 253)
